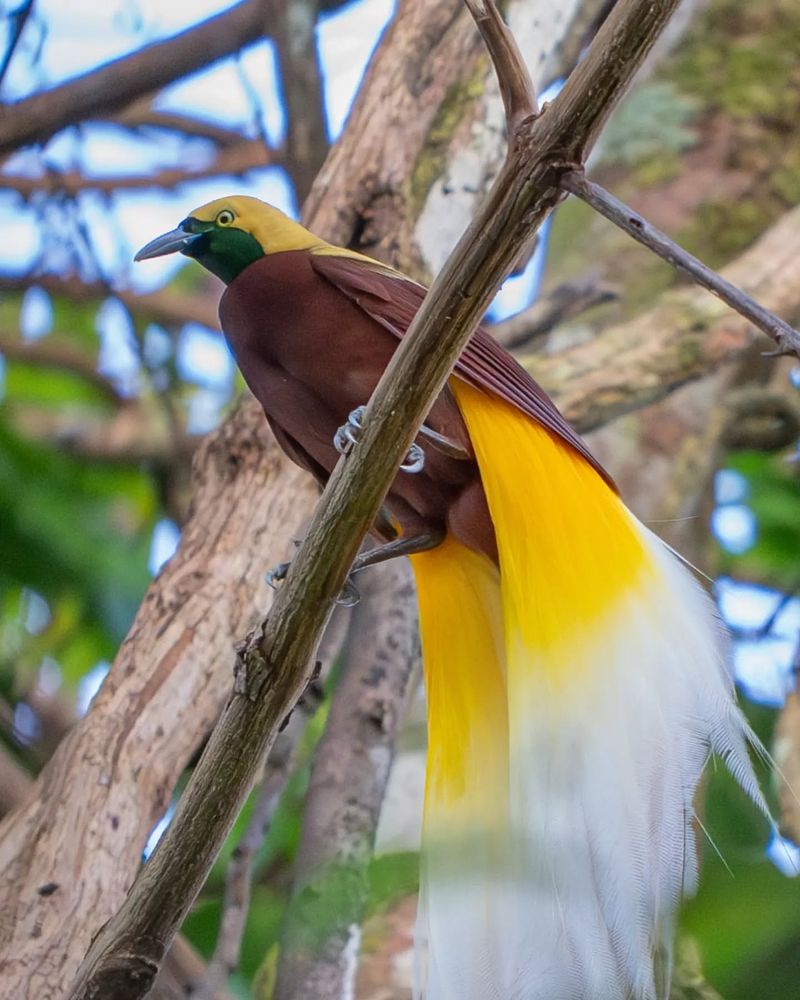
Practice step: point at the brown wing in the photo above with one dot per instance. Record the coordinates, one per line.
(393, 301)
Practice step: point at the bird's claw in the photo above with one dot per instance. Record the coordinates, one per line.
(348, 598)
(348, 434)
(276, 575)
(414, 460)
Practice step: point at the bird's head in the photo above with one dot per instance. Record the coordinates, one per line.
(228, 234)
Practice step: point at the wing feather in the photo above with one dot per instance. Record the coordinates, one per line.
(393, 300)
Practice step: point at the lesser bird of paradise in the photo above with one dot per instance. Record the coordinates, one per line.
(575, 672)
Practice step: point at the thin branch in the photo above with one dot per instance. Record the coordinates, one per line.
(19, 17)
(141, 115)
(167, 306)
(293, 28)
(785, 336)
(564, 302)
(686, 335)
(114, 85)
(238, 877)
(250, 154)
(182, 968)
(516, 86)
(273, 666)
(348, 782)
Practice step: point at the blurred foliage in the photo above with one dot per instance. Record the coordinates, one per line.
(773, 495)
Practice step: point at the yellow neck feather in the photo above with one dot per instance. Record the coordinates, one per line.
(274, 231)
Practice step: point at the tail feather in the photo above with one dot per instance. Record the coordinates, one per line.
(582, 690)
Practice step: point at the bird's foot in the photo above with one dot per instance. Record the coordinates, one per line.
(348, 598)
(275, 576)
(348, 434)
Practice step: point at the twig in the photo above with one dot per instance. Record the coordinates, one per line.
(564, 302)
(516, 86)
(249, 154)
(273, 665)
(141, 115)
(348, 782)
(293, 27)
(19, 17)
(785, 336)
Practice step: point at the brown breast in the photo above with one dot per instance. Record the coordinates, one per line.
(310, 355)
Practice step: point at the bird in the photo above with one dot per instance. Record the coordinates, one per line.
(576, 673)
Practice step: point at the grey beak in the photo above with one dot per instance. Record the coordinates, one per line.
(171, 242)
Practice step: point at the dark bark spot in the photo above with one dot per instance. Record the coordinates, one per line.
(48, 888)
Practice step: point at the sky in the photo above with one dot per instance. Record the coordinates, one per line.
(82, 34)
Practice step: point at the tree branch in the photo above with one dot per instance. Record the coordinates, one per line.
(293, 25)
(787, 338)
(278, 770)
(516, 86)
(563, 303)
(249, 154)
(103, 91)
(273, 665)
(166, 306)
(685, 336)
(238, 877)
(19, 19)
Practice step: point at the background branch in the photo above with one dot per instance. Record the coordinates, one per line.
(686, 335)
(248, 154)
(787, 339)
(525, 329)
(293, 27)
(114, 85)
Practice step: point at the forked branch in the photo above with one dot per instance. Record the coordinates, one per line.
(785, 336)
(516, 86)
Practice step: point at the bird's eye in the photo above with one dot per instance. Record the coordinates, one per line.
(225, 217)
